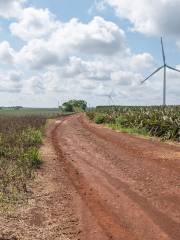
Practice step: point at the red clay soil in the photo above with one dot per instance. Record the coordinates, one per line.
(129, 187)
(106, 185)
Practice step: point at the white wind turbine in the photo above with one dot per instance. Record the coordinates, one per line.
(165, 66)
(110, 97)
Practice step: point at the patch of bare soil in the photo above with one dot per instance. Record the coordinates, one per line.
(100, 184)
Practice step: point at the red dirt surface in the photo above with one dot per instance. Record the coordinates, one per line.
(129, 187)
(97, 184)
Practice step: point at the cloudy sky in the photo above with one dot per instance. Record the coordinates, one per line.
(56, 50)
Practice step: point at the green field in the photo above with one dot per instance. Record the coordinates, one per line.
(158, 121)
(47, 112)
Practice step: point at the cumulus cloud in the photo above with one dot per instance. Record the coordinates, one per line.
(85, 59)
(142, 61)
(88, 60)
(10, 82)
(33, 23)
(7, 53)
(124, 78)
(156, 17)
(11, 8)
(97, 38)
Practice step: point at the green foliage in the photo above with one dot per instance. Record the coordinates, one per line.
(163, 122)
(31, 137)
(100, 118)
(74, 106)
(32, 158)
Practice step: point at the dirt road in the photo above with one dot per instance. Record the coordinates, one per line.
(129, 187)
(100, 184)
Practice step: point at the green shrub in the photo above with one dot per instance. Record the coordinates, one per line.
(100, 118)
(32, 157)
(121, 121)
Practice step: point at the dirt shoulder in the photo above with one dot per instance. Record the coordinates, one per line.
(99, 184)
(48, 214)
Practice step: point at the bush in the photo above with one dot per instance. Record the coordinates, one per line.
(121, 121)
(100, 118)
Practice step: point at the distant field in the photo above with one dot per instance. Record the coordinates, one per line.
(46, 112)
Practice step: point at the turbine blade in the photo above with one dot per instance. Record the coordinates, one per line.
(163, 53)
(157, 70)
(173, 69)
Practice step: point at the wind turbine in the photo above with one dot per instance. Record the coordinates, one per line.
(165, 66)
(109, 96)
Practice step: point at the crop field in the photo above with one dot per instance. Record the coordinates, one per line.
(46, 112)
(163, 122)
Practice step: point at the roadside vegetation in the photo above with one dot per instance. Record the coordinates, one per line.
(20, 138)
(163, 122)
(21, 134)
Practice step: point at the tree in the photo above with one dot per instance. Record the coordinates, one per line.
(74, 106)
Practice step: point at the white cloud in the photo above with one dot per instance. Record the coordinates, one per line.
(142, 61)
(33, 23)
(11, 8)
(10, 82)
(124, 78)
(155, 17)
(80, 59)
(99, 5)
(98, 38)
(76, 59)
(6, 53)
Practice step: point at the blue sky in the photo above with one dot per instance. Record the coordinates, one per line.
(49, 57)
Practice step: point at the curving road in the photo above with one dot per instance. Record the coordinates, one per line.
(121, 186)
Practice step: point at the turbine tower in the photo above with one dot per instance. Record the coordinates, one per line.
(110, 97)
(165, 66)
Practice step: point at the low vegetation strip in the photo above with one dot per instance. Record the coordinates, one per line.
(20, 138)
(163, 122)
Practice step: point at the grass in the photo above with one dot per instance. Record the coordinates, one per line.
(21, 135)
(20, 139)
(133, 131)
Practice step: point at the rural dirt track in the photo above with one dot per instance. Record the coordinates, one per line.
(129, 187)
(99, 185)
